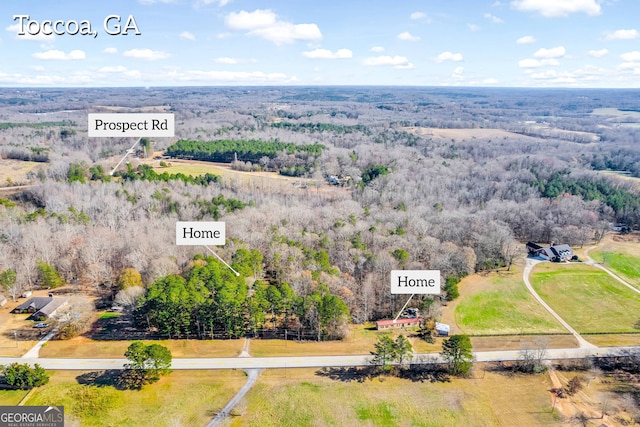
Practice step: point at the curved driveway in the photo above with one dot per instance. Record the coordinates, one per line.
(529, 264)
(590, 261)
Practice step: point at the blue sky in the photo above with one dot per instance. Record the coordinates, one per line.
(521, 43)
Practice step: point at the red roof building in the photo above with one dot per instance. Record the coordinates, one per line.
(400, 323)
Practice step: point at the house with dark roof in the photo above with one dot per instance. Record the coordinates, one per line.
(555, 253)
(40, 307)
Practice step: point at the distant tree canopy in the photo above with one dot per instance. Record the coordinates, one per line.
(620, 200)
(372, 172)
(226, 150)
(147, 173)
(320, 127)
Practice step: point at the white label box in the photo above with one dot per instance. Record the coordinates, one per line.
(193, 233)
(415, 281)
(131, 124)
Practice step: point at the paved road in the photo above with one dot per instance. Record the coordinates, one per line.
(307, 361)
(529, 264)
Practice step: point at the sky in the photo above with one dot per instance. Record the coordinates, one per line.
(506, 43)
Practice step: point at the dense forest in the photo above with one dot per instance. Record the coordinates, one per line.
(453, 179)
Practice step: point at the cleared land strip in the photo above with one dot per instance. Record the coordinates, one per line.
(530, 263)
(312, 361)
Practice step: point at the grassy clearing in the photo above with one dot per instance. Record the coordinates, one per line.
(360, 341)
(613, 340)
(587, 298)
(300, 398)
(625, 266)
(11, 397)
(16, 170)
(81, 347)
(182, 398)
(499, 303)
(518, 342)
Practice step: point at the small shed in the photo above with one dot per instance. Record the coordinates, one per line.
(442, 329)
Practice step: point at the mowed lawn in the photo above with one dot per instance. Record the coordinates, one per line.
(184, 398)
(587, 298)
(81, 347)
(499, 303)
(361, 340)
(625, 266)
(299, 398)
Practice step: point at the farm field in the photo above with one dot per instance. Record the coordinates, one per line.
(241, 180)
(301, 397)
(15, 171)
(82, 347)
(499, 303)
(621, 254)
(587, 298)
(360, 341)
(182, 398)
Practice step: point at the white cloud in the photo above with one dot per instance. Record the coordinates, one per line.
(285, 32)
(244, 20)
(457, 73)
(623, 35)
(598, 53)
(110, 50)
(558, 8)
(490, 81)
(407, 36)
(449, 56)
(219, 3)
(226, 60)
(553, 53)
(187, 35)
(631, 56)
(420, 16)
(376, 49)
(493, 18)
(529, 63)
(146, 54)
(526, 40)
(115, 69)
(473, 27)
(327, 54)
(264, 23)
(396, 61)
(58, 55)
(230, 77)
(40, 37)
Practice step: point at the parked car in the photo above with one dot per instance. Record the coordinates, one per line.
(41, 325)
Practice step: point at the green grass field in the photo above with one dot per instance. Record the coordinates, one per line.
(189, 398)
(300, 398)
(501, 304)
(587, 298)
(625, 266)
(11, 397)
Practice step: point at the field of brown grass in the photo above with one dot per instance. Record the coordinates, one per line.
(15, 171)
